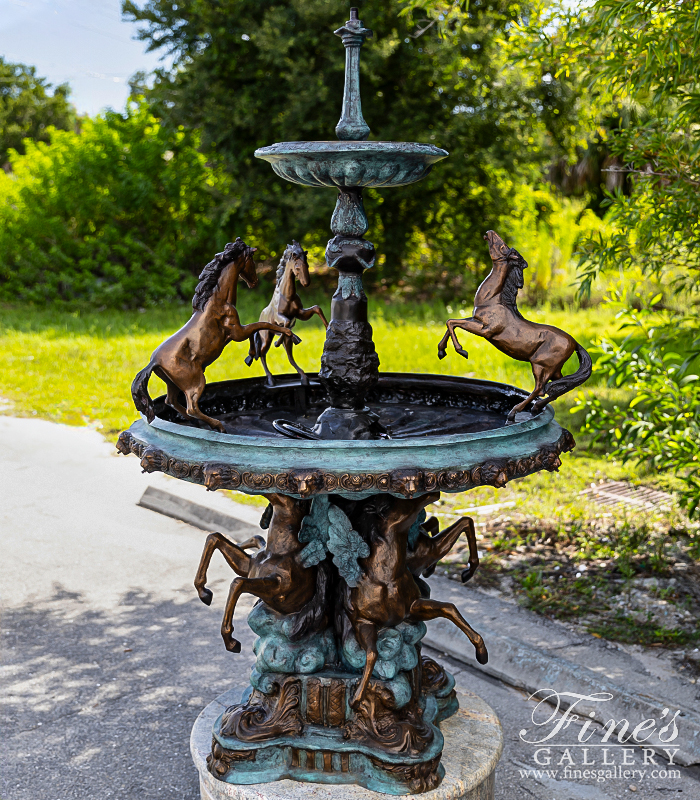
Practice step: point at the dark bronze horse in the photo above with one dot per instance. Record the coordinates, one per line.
(497, 319)
(386, 593)
(284, 309)
(275, 573)
(181, 360)
(431, 546)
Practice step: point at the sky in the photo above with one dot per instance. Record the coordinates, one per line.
(82, 42)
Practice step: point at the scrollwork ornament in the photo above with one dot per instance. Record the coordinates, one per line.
(330, 482)
(356, 483)
(258, 480)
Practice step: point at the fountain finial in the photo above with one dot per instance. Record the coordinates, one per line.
(352, 126)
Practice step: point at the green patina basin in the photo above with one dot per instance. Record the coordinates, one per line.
(471, 447)
(345, 164)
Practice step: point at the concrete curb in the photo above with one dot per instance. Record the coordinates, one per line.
(203, 517)
(531, 670)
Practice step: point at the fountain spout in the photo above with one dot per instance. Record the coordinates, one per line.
(352, 126)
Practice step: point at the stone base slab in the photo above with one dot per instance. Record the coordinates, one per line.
(473, 746)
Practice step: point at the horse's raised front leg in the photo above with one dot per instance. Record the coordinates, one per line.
(470, 533)
(241, 332)
(305, 314)
(260, 587)
(429, 550)
(424, 610)
(470, 325)
(236, 558)
(366, 633)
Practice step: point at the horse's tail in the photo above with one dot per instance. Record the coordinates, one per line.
(312, 616)
(139, 391)
(255, 348)
(563, 385)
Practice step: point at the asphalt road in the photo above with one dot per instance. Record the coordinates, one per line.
(108, 656)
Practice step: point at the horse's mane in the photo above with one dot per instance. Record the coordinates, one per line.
(514, 281)
(292, 249)
(209, 277)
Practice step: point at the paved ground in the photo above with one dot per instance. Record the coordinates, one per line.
(108, 656)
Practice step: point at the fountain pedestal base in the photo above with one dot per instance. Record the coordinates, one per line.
(473, 746)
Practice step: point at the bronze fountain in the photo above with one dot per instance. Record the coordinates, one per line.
(348, 460)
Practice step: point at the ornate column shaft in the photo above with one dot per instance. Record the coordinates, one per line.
(352, 125)
(349, 365)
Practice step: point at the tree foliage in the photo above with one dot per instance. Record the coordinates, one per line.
(645, 55)
(248, 73)
(28, 109)
(120, 214)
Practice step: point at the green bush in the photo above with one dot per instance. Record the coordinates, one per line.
(122, 214)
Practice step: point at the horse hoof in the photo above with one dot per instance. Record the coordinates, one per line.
(233, 645)
(482, 655)
(463, 353)
(206, 596)
(441, 353)
(249, 360)
(296, 339)
(467, 574)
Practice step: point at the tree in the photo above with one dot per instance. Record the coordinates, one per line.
(645, 55)
(252, 72)
(27, 109)
(122, 214)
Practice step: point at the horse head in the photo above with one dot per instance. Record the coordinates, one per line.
(216, 276)
(498, 249)
(249, 273)
(295, 257)
(514, 264)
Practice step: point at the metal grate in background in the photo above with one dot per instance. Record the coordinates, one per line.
(619, 493)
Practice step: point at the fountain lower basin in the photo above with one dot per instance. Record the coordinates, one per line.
(352, 164)
(473, 448)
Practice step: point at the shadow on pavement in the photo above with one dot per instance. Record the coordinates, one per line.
(100, 702)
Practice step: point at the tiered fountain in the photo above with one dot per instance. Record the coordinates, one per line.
(340, 692)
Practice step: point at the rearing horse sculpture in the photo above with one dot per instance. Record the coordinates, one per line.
(284, 309)
(386, 593)
(497, 319)
(275, 573)
(182, 358)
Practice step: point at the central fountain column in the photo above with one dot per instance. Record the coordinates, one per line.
(350, 364)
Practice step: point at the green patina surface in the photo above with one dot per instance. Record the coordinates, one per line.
(427, 453)
(349, 164)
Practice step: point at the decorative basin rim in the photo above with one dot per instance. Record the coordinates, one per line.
(351, 163)
(403, 467)
(428, 153)
(541, 420)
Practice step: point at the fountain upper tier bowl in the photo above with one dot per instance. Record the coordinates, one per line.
(346, 164)
(449, 434)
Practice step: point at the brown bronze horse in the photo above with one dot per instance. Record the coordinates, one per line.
(386, 593)
(275, 574)
(497, 319)
(431, 546)
(284, 309)
(181, 360)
